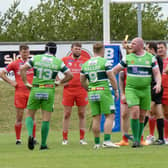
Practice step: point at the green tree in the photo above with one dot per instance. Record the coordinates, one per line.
(67, 20)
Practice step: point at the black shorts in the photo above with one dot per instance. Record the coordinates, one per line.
(157, 98)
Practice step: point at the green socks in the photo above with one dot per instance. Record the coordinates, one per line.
(135, 129)
(141, 128)
(44, 132)
(97, 140)
(107, 137)
(29, 125)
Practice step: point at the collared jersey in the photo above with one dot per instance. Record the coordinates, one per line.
(95, 71)
(139, 69)
(75, 66)
(15, 67)
(46, 68)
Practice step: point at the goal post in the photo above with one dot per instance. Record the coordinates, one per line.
(106, 15)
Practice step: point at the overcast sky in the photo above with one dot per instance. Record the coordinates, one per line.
(26, 4)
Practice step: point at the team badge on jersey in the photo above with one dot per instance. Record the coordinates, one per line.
(132, 62)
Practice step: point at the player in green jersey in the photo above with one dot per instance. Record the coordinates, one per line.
(46, 67)
(97, 71)
(140, 66)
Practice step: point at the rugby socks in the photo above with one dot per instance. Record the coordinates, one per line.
(65, 135)
(141, 128)
(29, 125)
(18, 128)
(97, 140)
(82, 134)
(107, 137)
(165, 128)
(146, 120)
(152, 124)
(125, 138)
(160, 126)
(135, 128)
(34, 130)
(44, 132)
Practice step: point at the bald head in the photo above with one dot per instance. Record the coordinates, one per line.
(137, 45)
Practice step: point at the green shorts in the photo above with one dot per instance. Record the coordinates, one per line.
(41, 98)
(139, 97)
(101, 102)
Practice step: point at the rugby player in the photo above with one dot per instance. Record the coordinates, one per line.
(21, 92)
(74, 93)
(46, 66)
(140, 66)
(96, 72)
(156, 113)
(162, 52)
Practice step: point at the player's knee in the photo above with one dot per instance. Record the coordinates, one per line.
(81, 115)
(18, 121)
(67, 115)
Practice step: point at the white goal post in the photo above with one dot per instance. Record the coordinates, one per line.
(106, 15)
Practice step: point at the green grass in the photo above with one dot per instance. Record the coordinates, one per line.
(76, 156)
(73, 155)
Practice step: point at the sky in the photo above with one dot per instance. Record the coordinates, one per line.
(26, 4)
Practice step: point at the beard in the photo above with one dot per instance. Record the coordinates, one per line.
(76, 55)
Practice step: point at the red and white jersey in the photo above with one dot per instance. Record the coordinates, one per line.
(75, 66)
(164, 75)
(15, 67)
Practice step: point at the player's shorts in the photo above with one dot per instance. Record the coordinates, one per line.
(156, 97)
(101, 102)
(138, 97)
(41, 98)
(76, 96)
(165, 96)
(21, 99)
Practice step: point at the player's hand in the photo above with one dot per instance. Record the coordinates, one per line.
(14, 83)
(124, 44)
(28, 85)
(123, 98)
(57, 82)
(116, 93)
(157, 88)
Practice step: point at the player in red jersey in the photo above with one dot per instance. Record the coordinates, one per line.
(162, 52)
(74, 93)
(21, 92)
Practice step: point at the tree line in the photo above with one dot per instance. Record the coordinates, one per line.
(74, 20)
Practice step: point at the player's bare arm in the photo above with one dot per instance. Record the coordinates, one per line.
(113, 82)
(3, 75)
(84, 81)
(67, 78)
(158, 79)
(23, 71)
(117, 69)
(121, 85)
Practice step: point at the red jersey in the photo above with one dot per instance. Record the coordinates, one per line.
(15, 67)
(75, 66)
(164, 75)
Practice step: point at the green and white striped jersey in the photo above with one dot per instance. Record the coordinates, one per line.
(139, 69)
(95, 71)
(46, 68)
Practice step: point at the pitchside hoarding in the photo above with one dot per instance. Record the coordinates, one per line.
(113, 54)
(9, 53)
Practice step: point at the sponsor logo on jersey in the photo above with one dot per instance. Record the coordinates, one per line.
(132, 62)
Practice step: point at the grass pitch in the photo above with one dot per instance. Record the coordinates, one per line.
(73, 155)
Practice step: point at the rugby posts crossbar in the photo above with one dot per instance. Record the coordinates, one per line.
(106, 15)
